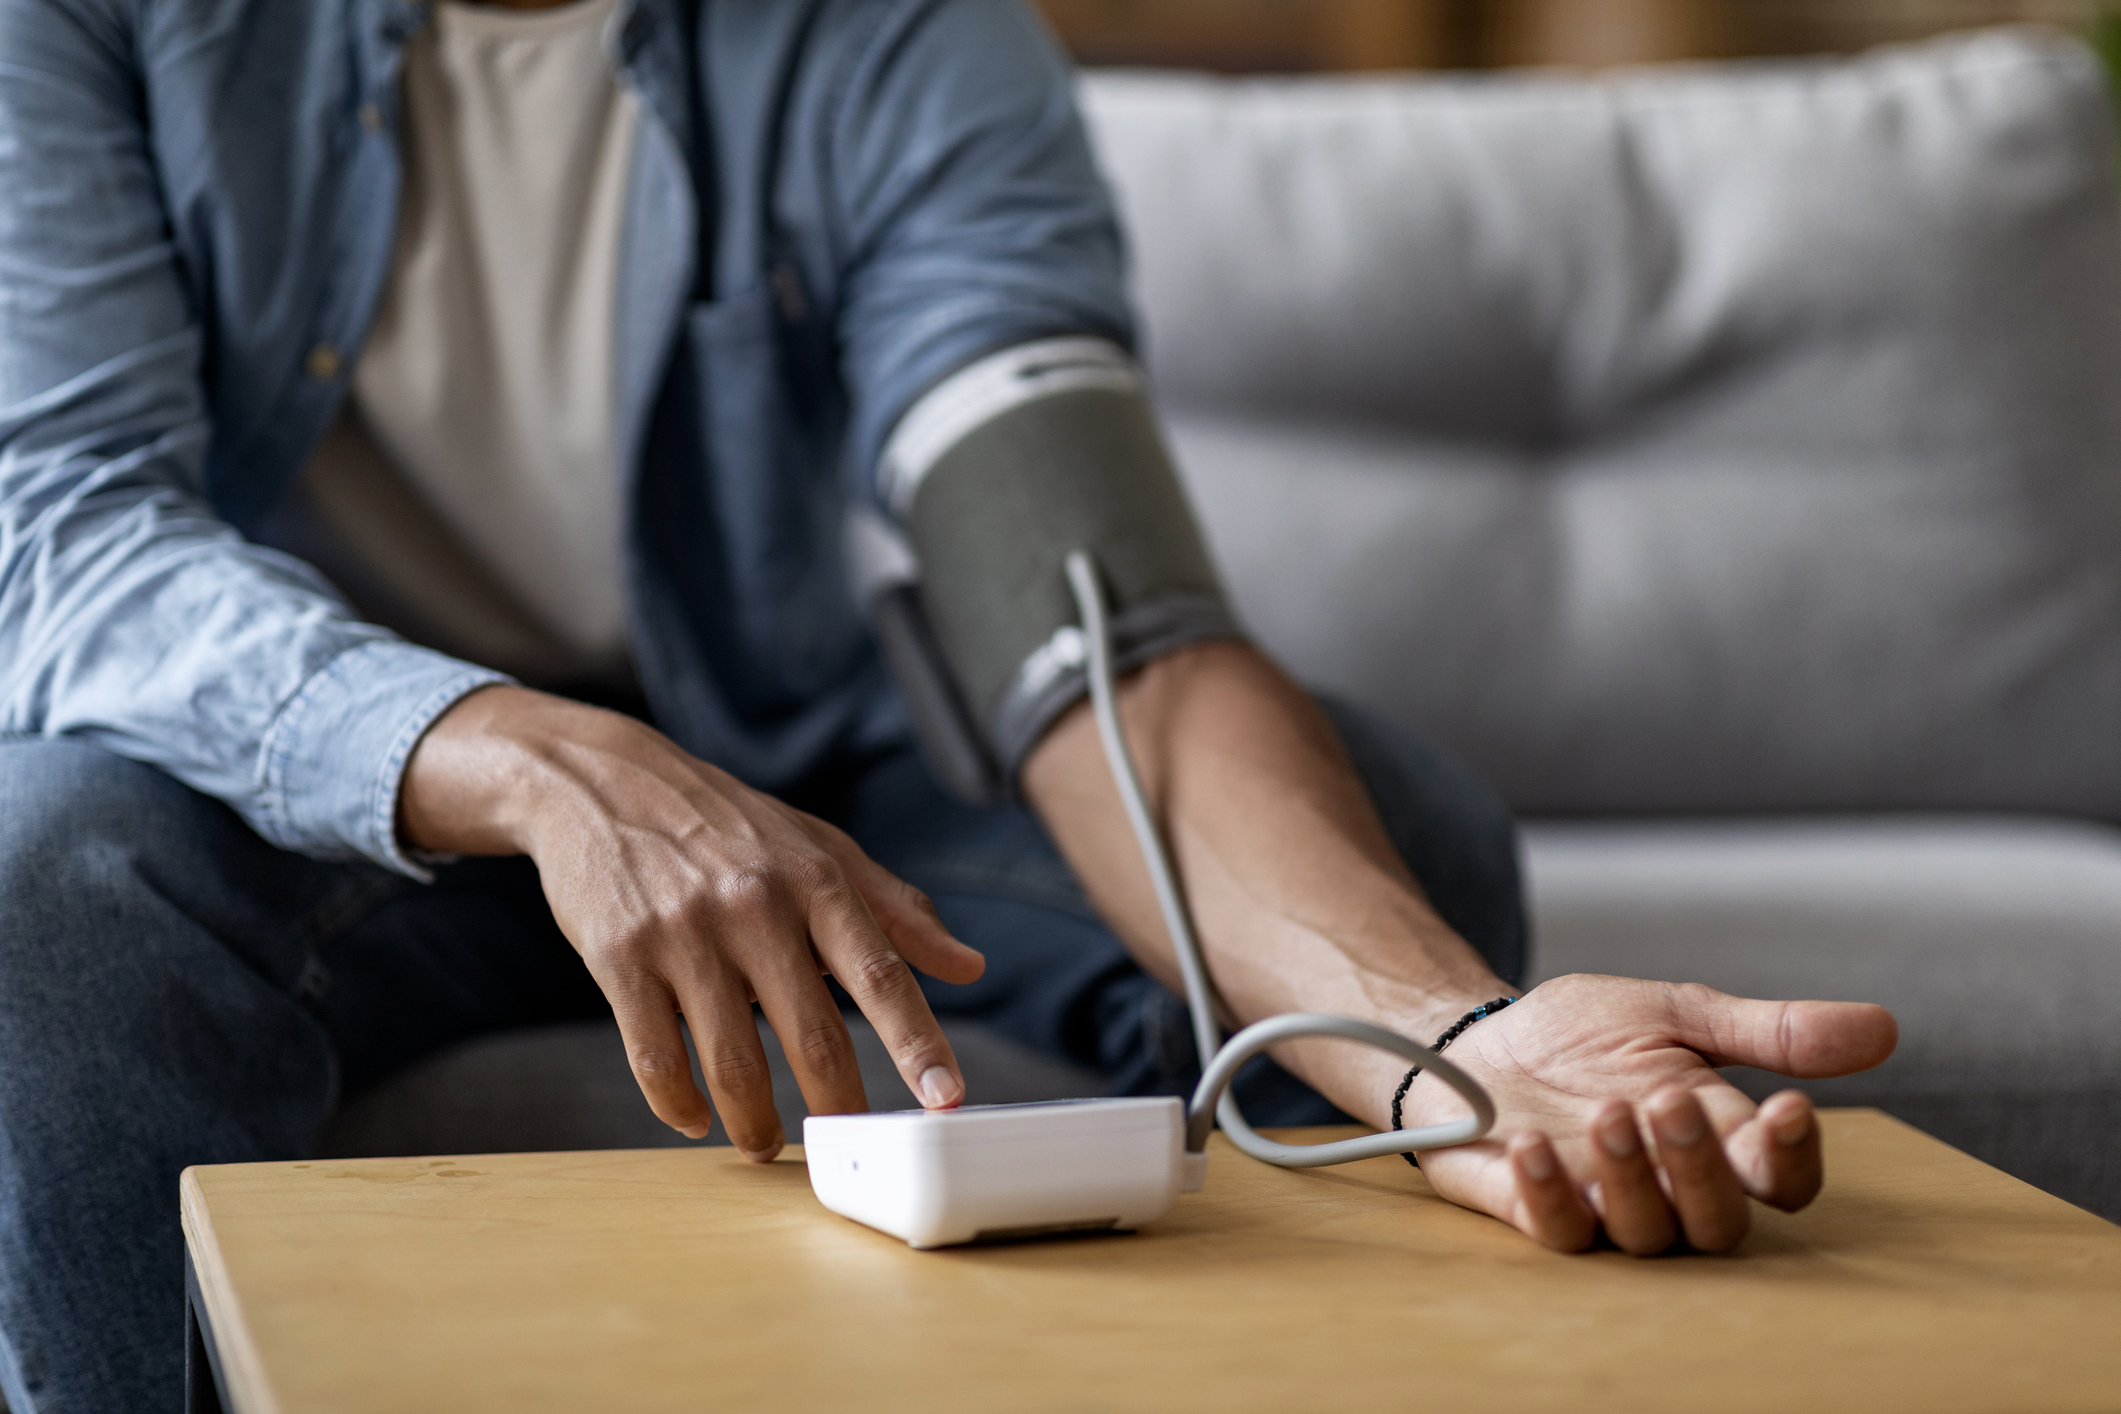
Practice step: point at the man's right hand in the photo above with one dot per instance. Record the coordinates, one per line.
(686, 891)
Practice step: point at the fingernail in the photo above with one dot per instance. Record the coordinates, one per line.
(763, 1156)
(1617, 1138)
(1682, 1125)
(698, 1131)
(1794, 1126)
(1538, 1161)
(939, 1088)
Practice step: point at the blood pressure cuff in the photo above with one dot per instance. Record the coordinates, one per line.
(992, 479)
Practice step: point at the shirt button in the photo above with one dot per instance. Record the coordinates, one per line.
(323, 362)
(371, 117)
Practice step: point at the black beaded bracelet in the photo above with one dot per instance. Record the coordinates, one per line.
(1456, 1029)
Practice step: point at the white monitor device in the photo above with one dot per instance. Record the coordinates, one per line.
(936, 1178)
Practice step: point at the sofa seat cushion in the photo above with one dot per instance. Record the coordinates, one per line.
(1996, 942)
(1720, 440)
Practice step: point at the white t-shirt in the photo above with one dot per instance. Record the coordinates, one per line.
(475, 473)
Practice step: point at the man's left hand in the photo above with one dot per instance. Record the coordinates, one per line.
(1612, 1116)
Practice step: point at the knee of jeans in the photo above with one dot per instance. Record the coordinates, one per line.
(76, 816)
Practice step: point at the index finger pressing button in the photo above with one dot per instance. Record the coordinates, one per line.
(873, 973)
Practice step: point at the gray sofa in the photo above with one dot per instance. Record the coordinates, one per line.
(1727, 464)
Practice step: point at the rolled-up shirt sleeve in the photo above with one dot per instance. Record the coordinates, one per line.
(969, 202)
(130, 614)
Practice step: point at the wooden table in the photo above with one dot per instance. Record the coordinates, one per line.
(688, 1279)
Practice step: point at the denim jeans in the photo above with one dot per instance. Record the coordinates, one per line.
(175, 991)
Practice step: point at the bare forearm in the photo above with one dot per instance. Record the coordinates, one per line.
(1301, 899)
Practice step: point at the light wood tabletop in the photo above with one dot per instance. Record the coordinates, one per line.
(689, 1280)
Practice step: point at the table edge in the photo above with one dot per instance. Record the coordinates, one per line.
(242, 1363)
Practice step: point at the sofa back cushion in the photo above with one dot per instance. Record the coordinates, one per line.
(1722, 439)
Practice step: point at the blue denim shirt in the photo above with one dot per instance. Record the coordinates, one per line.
(833, 204)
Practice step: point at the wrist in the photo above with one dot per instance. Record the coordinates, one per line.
(1361, 1079)
(1445, 1010)
(1413, 975)
(476, 781)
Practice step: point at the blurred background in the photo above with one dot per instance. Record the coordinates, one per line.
(1264, 36)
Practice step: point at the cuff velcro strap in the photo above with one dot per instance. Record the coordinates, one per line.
(1056, 677)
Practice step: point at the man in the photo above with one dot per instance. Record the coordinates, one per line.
(567, 339)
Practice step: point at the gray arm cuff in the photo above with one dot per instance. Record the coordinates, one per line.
(1046, 449)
